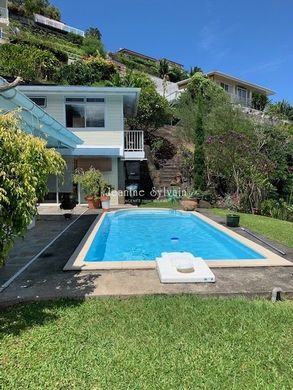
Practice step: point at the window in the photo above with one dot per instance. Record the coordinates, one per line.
(85, 112)
(242, 93)
(226, 87)
(40, 101)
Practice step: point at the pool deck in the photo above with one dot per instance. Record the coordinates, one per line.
(45, 278)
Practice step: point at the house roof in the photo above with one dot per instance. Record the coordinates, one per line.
(146, 57)
(35, 120)
(259, 88)
(130, 95)
(240, 81)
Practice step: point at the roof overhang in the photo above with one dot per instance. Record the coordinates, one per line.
(91, 151)
(35, 120)
(259, 88)
(183, 83)
(130, 95)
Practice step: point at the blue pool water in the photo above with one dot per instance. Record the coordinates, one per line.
(145, 234)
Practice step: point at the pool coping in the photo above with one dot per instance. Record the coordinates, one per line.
(76, 261)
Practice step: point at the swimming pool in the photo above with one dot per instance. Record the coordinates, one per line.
(144, 235)
(136, 237)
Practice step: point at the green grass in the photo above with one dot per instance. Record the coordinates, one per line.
(180, 342)
(281, 231)
(161, 204)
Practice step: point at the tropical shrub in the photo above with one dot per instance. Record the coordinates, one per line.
(25, 165)
(241, 157)
(277, 209)
(282, 110)
(259, 101)
(91, 181)
(93, 46)
(130, 79)
(30, 7)
(185, 158)
(30, 63)
(86, 72)
(153, 111)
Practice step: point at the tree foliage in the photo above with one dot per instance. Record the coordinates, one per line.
(281, 110)
(30, 7)
(248, 160)
(93, 32)
(25, 165)
(88, 71)
(153, 110)
(259, 101)
(30, 63)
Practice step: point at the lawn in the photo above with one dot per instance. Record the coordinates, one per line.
(175, 342)
(281, 231)
(161, 204)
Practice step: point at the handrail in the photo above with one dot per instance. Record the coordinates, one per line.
(58, 25)
(133, 140)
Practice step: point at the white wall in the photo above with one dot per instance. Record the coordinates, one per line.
(111, 134)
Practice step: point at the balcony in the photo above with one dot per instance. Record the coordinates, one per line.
(4, 18)
(242, 101)
(57, 25)
(134, 145)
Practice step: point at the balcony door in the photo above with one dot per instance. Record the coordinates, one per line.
(242, 94)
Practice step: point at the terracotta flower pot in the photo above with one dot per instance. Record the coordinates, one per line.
(93, 203)
(189, 204)
(105, 199)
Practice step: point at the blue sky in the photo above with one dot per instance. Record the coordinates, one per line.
(250, 39)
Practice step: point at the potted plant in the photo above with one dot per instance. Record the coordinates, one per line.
(68, 203)
(105, 197)
(190, 201)
(232, 219)
(93, 183)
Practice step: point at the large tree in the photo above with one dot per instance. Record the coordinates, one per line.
(193, 109)
(25, 164)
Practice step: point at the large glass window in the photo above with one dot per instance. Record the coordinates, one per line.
(85, 112)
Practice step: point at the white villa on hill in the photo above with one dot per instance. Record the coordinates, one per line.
(240, 91)
(86, 125)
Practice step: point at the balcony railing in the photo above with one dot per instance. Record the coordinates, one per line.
(4, 19)
(58, 25)
(244, 102)
(174, 96)
(133, 141)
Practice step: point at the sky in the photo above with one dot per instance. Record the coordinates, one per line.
(249, 39)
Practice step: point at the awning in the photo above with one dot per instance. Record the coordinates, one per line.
(35, 120)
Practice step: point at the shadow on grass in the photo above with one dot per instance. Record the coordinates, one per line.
(45, 278)
(14, 320)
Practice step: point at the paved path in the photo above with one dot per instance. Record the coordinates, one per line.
(44, 279)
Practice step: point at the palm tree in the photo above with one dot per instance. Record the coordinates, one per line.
(283, 109)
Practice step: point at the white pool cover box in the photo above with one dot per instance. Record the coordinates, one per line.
(183, 267)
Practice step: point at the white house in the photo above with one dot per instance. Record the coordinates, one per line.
(4, 19)
(92, 120)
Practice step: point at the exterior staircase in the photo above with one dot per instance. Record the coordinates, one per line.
(168, 172)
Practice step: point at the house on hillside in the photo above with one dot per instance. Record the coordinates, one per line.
(240, 91)
(137, 55)
(4, 19)
(86, 125)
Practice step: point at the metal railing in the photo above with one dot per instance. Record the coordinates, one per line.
(174, 96)
(133, 140)
(4, 14)
(58, 25)
(244, 102)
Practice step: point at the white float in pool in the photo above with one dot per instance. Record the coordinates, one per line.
(183, 267)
